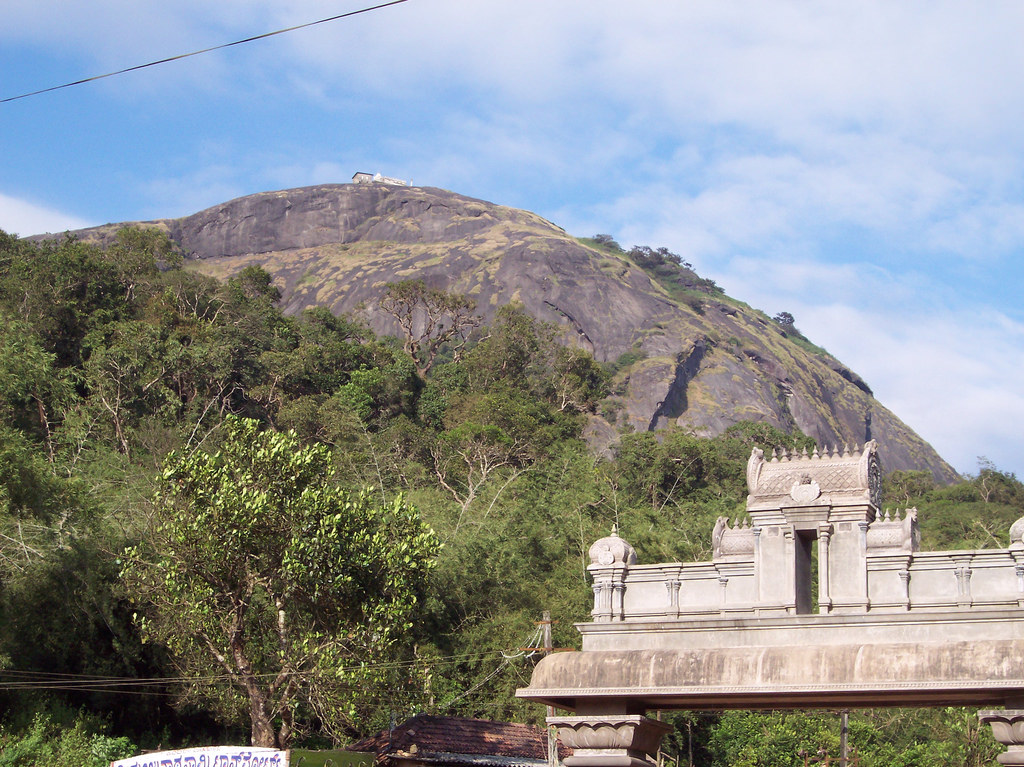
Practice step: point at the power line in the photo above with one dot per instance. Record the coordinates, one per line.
(15, 680)
(12, 679)
(204, 50)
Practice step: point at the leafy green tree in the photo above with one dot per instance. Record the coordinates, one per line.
(34, 393)
(446, 384)
(253, 283)
(127, 376)
(995, 486)
(515, 350)
(671, 271)
(262, 571)
(517, 554)
(67, 289)
(743, 739)
(65, 613)
(676, 467)
(326, 350)
(767, 437)
(47, 742)
(471, 455)
(141, 252)
(39, 511)
(110, 358)
(975, 513)
(607, 241)
(577, 381)
(905, 488)
(520, 352)
(784, 320)
(490, 439)
(674, 484)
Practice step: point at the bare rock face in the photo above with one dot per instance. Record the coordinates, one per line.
(326, 215)
(702, 364)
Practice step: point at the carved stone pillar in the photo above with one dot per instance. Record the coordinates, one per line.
(619, 596)
(862, 528)
(905, 585)
(757, 565)
(1008, 729)
(789, 601)
(963, 574)
(824, 588)
(673, 585)
(613, 740)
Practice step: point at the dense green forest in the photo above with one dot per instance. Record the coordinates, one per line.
(373, 526)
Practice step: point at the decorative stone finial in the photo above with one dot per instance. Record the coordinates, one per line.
(1017, 534)
(612, 550)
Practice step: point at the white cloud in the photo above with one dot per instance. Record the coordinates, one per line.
(872, 183)
(951, 375)
(112, 32)
(200, 188)
(25, 218)
(982, 231)
(95, 38)
(891, 116)
(949, 371)
(789, 69)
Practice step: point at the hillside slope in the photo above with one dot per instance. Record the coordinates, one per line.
(685, 356)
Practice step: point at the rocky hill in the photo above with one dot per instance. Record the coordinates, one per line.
(684, 352)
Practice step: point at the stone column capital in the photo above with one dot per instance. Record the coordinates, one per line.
(612, 740)
(1008, 729)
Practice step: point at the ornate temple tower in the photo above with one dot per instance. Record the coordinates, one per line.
(810, 515)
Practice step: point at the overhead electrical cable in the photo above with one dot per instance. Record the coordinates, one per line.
(507, 659)
(204, 50)
(12, 679)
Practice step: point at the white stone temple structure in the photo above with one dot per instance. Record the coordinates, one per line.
(817, 599)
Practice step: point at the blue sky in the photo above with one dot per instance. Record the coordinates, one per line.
(856, 164)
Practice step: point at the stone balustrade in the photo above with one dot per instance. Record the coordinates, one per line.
(895, 581)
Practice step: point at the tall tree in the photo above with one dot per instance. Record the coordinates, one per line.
(577, 381)
(429, 319)
(34, 394)
(263, 571)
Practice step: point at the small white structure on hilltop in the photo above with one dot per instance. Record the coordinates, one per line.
(368, 178)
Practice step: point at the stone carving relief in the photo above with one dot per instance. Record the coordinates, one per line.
(735, 540)
(895, 533)
(805, 490)
(837, 475)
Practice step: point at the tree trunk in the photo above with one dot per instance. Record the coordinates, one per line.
(263, 734)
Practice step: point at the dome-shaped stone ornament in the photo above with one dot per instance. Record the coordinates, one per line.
(612, 550)
(1017, 534)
